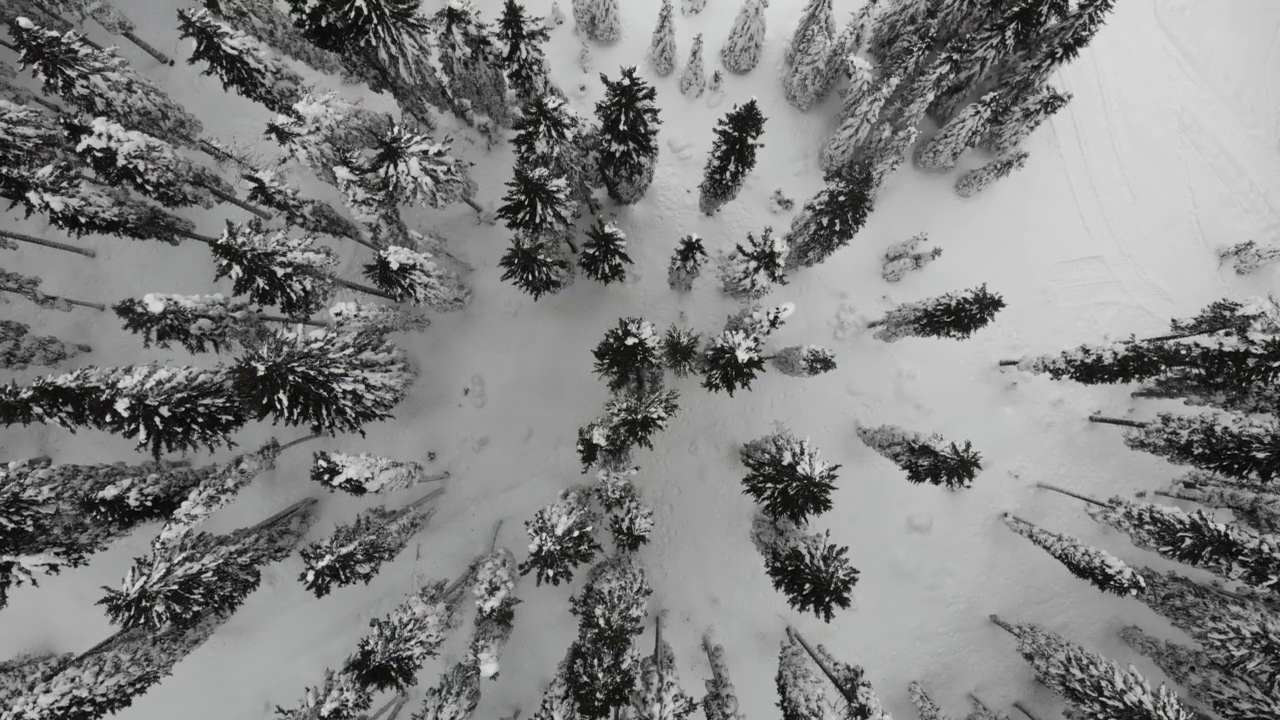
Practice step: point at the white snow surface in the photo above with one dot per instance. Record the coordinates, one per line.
(1167, 152)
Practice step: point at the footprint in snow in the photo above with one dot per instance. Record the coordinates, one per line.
(683, 149)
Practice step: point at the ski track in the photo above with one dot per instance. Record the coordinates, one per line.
(1167, 151)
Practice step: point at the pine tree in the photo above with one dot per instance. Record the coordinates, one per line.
(1093, 686)
(195, 574)
(925, 705)
(692, 7)
(27, 137)
(861, 88)
(523, 35)
(376, 319)
(804, 361)
(322, 131)
(455, 697)
(1012, 125)
(686, 263)
(814, 574)
(1098, 567)
(975, 181)
(354, 553)
(680, 351)
(364, 473)
(472, 64)
(663, 46)
(105, 681)
(830, 219)
(1118, 362)
(741, 51)
(269, 189)
(70, 202)
(330, 379)
(275, 269)
(630, 356)
(415, 277)
(199, 323)
(1250, 504)
(809, 77)
(557, 700)
(404, 168)
(786, 477)
(861, 117)
(801, 693)
(217, 488)
(963, 132)
(494, 592)
(629, 124)
(276, 29)
(241, 62)
(604, 257)
(721, 701)
(340, 696)
(534, 266)
(561, 538)
(901, 20)
(925, 459)
(749, 273)
(902, 258)
(1196, 539)
(538, 202)
(658, 695)
(733, 358)
(602, 665)
(550, 135)
(860, 699)
(954, 315)
(100, 83)
(816, 14)
(597, 19)
(20, 348)
(389, 658)
(165, 409)
(1248, 256)
(628, 421)
(1237, 446)
(694, 77)
(733, 156)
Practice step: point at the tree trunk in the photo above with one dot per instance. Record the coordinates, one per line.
(471, 203)
(227, 197)
(146, 47)
(287, 320)
(364, 289)
(299, 441)
(47, 243)
(48, 104)
(284, 514)
(1023, 709)
(1116, 421)
(1005, 625)
(1009, 363)
(657, 660)
(401, 700)
(419, 502)
(875, 323)
(221, 155)
(194, 236)
(493, 539)
(847, 693)
(7, 46)
(96, 306)
(1077, 496)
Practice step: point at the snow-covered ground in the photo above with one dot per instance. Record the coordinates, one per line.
(1168, 151)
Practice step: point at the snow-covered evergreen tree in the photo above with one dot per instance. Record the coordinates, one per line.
(1238, 446)
(926, 706)
(552, 136)
(1098, 567)
(495, 581)
(562, 537)
(604, 257)
(1197, 539)
(830, 219)
(340, 696)
(535, 266)
(860, 699)
(354, 553)
(1248, 256)
(100, 83)
(925, 459)
(331, 380)
(809, 77)
(194, 574)
(320, 131)
(801, 692)
(266, 22)
(557, 700)
(630, 356)
(630, 521)
(861, 88)
(662, 48)
(240, 61)
(455, 697)
(1013, 125)
(680, 350)
(901, 19)
(901, 257)
(217, 487)
(597, 19)
(628, 420)
(1093, 686)
(1113, 363)
(686, 263)
(537, 202)
(814, 574)
(692, 7)
(390, 657)
(152, 167)
(268, 188)
(657, 695)
(404, 167)
(863, 105)
(721, 700)
(164, 409)
(629, 124)
(741, 51)
(602, 664)
(20, 348)
(272, 268)
(199, 323)
(804, 360)
(887, 151)
(964, 131)
(786, 477)
(415, 277)
(975, 181)
(1250, 504)
(694, 77)
(733, 358)
(954, 315)
(522, 35)
(364, 473)
(376, 319)
(749, 273)
(733, 156)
